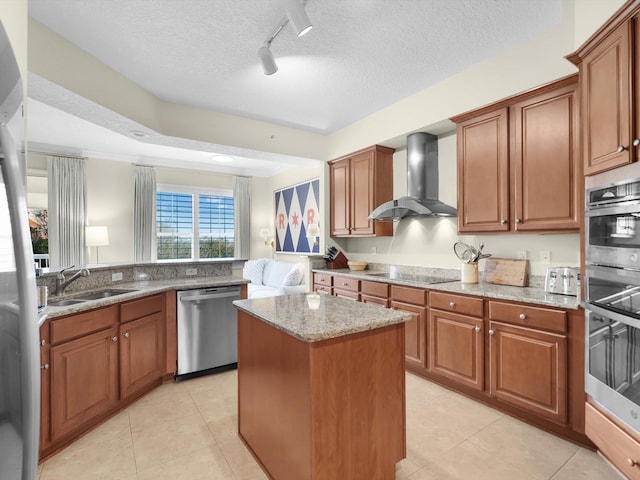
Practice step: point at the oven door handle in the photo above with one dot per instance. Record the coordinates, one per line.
(618, 317)
(613, 274)
(619, 209)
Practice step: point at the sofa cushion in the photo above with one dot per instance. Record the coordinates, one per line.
(253, 270)
(294, 277)
(275, 272)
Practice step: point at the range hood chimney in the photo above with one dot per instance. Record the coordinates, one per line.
(422, 184)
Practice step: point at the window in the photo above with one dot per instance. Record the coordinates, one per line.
(183, 217)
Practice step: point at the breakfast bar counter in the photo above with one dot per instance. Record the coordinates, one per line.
(321, 392)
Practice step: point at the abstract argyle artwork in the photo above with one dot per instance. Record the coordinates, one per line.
(296, 208)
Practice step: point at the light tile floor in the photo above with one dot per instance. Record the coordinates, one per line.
(187, 431)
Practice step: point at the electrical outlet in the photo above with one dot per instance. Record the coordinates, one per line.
(545, 256)
(192, 271)
(522, 254)
(116, 277)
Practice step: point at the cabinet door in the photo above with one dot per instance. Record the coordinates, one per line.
(141, 354)
(362, 198)
(339, 205)
(528, 368)
(544, 162)
(456, 347)
(606, 108)
(45, 385)
(483, 173)
(415, 333)
(84, 380)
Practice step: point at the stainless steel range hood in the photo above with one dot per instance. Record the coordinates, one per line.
(422, 184)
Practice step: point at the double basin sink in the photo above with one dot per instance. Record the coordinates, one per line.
(85, 297)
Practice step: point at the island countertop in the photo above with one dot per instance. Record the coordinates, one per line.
(334, 317)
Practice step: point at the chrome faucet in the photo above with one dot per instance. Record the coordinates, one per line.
(62, 283)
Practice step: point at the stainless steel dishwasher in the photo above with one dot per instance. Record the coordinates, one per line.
(207, 330)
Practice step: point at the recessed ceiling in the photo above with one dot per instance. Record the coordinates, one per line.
(361, 55)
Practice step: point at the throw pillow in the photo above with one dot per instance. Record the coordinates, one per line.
(253, 270)
(294, 277)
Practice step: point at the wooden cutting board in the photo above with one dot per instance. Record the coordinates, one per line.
(506, 271)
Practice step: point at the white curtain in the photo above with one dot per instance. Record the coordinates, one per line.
(67, 211)
(242, 216)
(144, 214)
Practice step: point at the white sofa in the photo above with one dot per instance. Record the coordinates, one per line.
(270, 278)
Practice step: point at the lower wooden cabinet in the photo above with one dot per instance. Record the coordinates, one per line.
(84, 380)
(97, 362)
(619, 447)
(141, 354)
(414, 302)
(456, 347)
(528, 368)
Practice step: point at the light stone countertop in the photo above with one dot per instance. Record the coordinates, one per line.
(141, 289)
(335, 317)
(487, 290)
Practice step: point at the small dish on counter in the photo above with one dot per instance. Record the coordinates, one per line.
(357, 265)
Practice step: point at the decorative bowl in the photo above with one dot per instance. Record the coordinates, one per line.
(357, 265)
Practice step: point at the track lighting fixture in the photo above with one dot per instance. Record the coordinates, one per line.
(300, 22)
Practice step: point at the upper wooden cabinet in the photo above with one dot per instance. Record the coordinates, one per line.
(518, 166)
(359, 183)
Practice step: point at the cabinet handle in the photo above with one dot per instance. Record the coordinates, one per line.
(620, 149)
(45, 366)
(636, 142)
(452, 304)
(125, 334)
(491, 332)
(477, 329)
(632, 462)
(503, 222)
(344, 284)
(518, 220)
(43, 343)
(522, 316)
(114, 339)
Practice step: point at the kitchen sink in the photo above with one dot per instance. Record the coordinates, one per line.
(101, 294)
(65, 302)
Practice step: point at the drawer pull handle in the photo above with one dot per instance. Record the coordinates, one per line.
(491, 332)
(125, 334)
(46, 367)
(344, 284)
(632, 462)
(477, 329)
(114, 339)
(522, 316)
(452, 304)
(620, 149)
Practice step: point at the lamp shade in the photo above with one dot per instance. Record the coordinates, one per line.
(313, 230)
(96, 236)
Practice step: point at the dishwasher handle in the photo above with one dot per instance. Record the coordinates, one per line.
(195, 298)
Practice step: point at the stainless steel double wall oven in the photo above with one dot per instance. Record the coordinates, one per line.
(612, 298)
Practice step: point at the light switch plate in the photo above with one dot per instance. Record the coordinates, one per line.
(115, 277)
(192, 271)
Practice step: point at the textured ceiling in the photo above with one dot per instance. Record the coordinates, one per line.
(361, 55)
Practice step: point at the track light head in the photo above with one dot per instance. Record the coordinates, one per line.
(298, 17)
(269, 65)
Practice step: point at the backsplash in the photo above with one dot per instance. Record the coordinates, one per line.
(101, 276)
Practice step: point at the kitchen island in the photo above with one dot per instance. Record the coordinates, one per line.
(321, 387)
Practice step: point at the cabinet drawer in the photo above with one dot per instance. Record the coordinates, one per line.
(141, 308)
(324, 289)
(344, 283)
(415, 296)
(346, 294)
(322, 279)
(614, 444)
(535, 317)
(375, 289)
(83, 324)
(376, 300)
(456, 303)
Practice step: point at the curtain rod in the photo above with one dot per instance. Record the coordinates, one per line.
(49, 154)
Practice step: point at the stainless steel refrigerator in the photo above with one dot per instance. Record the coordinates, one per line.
(19, 346)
